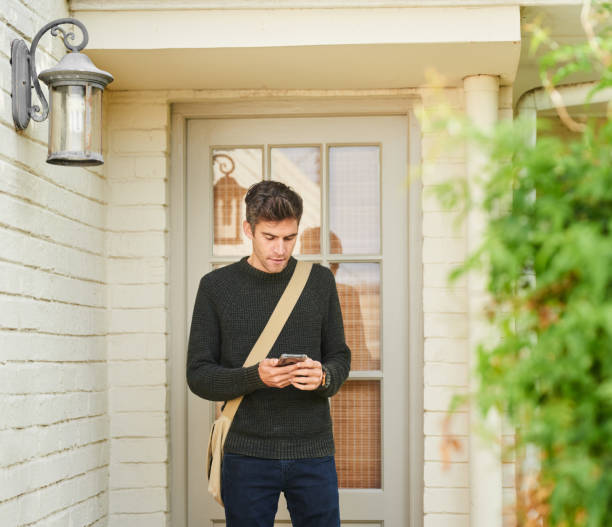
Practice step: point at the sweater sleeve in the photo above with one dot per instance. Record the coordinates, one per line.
(205, 375)
(335, 354)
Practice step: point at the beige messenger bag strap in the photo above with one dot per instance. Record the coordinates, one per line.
(266, 340)
(274, 326)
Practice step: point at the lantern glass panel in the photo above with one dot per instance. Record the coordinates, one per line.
(75, 127)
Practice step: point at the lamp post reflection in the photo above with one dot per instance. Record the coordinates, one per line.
(228, 195)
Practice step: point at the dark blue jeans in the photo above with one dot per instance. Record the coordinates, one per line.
(251, 486)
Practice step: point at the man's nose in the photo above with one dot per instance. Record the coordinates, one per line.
(279, 247)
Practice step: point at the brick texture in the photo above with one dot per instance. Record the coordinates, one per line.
(446, 493)
(54, 427)
(446, 320)
(136, 245)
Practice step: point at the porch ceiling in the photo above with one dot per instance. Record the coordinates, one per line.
(302, 49)
(564, 26)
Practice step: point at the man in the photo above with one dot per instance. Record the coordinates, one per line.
(281, 438)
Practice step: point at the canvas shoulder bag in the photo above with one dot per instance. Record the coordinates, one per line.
(266, 340)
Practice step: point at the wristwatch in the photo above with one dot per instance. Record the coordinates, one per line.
(326, 379)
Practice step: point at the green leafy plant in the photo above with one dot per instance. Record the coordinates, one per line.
(547, 257)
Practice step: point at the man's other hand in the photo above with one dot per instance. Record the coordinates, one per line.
(276, 376)
(308, 376)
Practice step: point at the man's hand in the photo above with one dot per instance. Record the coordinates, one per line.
(308, 376)
(276, 376)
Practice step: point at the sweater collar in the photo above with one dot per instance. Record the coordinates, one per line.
(286, 273)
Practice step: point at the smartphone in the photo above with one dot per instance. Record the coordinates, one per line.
(289, 358)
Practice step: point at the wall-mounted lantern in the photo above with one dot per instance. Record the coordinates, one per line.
(75, 95)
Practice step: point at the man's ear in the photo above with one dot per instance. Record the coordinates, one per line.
(246, 227)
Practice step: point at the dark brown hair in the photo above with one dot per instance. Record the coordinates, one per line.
(272, 201)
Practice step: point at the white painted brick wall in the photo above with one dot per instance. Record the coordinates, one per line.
(438, 224)
(444, 300)
(138, 373)
(138, 192)
(434, 422)
(136, 244)
(436, 449)
(446, 520)
(137, 272)
(443, 374)
(137, 320)
(50, 377)
(443, 250)
(140, 450)
(448, 325)
(31, 475)
(134, 475)
(143, 141)
(136, 218)
(32, 410)
(137, 399)
(140, 500)
(446, 474)
(53, 378)
(148, 168)
(446, 500)
(436, 275)
(20, 445)
(61, 348)
(446, 329)
(438, 398)
(155, 519)
(137, 346)
(149, 424)
(59, 498)
(136, 295)
(446, 350)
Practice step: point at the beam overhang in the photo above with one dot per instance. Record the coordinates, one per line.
(303, 49)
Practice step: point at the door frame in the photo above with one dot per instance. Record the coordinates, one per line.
(180, 313)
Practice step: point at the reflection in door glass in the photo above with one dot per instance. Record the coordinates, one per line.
(358, 287)
(354, 198)
(300, 168)
(235, 170)
(359, 292)
(355, 412)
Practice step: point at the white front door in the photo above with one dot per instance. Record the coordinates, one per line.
(352, 174)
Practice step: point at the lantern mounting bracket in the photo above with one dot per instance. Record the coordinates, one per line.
(23, 66)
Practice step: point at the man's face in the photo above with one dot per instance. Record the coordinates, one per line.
(273, 243)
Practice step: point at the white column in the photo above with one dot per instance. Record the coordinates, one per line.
(481, 106)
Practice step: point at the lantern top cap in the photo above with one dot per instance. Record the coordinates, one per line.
(77, 67)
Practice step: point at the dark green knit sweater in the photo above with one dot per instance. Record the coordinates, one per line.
(232, 307)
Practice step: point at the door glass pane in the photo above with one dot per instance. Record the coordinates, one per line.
(355, 411)
(354, 197)
(234, 170)
(300, 168)
(359, 292)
